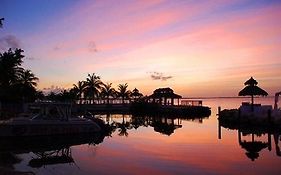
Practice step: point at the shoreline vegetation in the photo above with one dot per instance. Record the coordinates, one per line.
(18, 87)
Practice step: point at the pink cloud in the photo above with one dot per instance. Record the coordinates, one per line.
(131, 37)
(122, 26)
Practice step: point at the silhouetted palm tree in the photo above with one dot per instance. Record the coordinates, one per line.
(16, 83)
(40, 95)
(27, 78)
(27, 85)
(123, 92)
(136, 94)
(66, 96)
(107, 91)
(123, 127)
(52, 96)
(10, 69)
(93, 85)
(79, 89)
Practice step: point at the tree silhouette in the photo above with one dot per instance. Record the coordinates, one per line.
(16, 83)
(93, 85)
(66, 96)
(28, 82)
(39, 95)
(63, 96)
(52, 96)
(10, 69)
(27, 78)
(123, 92)
(136, 94)
(123, 127)
(79, 89)
(107, 91)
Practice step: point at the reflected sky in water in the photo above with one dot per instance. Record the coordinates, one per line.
(192, 149)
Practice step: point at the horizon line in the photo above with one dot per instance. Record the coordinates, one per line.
(270, 96)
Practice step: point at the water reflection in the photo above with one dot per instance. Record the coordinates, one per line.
(255, 140)
(47, 150)
(252, 146)
(277, 137)
(163, 124)
(8, 159)
(42, 152)
(45, 158)
(136, 153)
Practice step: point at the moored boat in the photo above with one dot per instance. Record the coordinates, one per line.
(53, 119)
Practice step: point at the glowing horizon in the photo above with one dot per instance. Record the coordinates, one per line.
(205, 48)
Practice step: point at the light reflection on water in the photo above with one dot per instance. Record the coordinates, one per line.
(142, 147)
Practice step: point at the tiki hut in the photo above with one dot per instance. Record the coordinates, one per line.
(164, 94)
(252, 147)
(252, 90)
(164, 125)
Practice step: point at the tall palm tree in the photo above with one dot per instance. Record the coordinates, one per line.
(93, 85)
(14, 80)
(123, 92)
(79, 89)
(27, 84)
(10, 69)
(107, 91)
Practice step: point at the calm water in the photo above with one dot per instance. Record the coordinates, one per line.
(146, 147)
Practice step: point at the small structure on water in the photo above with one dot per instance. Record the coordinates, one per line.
(191, 102)
(250, 113)
(52, 119)
(162, 101)
(252, 90)
(164, 96)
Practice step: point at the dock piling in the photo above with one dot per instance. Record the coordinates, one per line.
(269, 116)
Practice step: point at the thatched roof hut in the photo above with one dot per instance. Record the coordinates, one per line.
(252, 89)
(164, 93)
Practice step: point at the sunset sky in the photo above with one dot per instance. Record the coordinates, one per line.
(197, 47)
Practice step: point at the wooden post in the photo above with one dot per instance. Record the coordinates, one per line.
(219, 130)
(219, 111)
(239, 114)
(269, 141)
(269, 116)
(239, 137)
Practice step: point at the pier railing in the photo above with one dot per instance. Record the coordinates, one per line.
(188, 102)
